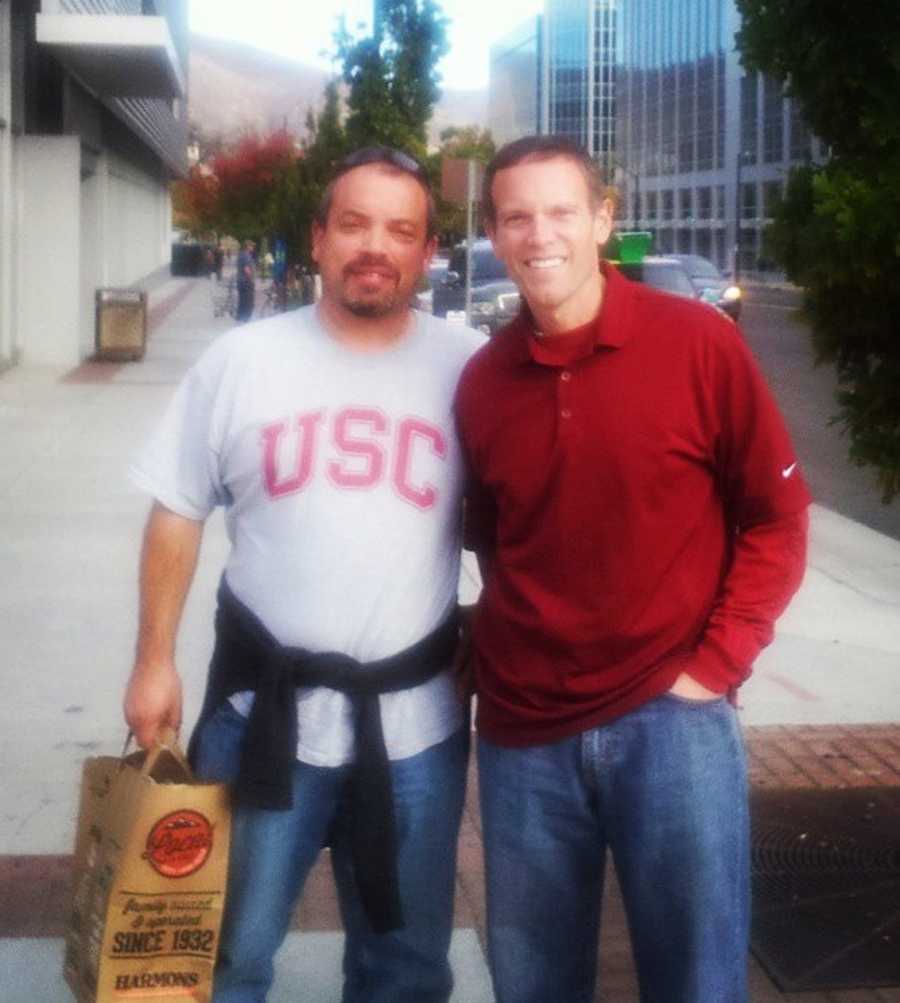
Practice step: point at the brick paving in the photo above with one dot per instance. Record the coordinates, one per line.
(33, 890)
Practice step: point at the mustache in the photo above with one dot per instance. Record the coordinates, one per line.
(364, 261)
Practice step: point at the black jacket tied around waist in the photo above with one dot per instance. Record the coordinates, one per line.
(248, 657)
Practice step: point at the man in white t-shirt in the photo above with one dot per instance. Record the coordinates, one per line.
(328, 437)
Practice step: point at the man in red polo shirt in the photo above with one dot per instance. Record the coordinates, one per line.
(640, 521)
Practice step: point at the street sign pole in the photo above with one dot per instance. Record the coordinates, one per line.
(470, 236)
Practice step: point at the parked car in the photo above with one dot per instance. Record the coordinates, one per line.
(495, 298)
(711, 285)
(668, 273)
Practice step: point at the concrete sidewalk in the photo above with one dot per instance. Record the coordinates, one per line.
(71, 525)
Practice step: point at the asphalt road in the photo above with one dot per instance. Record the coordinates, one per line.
(780, 340)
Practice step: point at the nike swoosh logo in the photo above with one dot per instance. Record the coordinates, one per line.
(788, 471)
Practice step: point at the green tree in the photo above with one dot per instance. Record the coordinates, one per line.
(325, 144)
(392, 74)
(468, 142)
(837, 229)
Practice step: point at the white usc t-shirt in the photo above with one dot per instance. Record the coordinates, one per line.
(341, 478)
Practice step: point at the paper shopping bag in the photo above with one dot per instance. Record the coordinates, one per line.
(150, 870)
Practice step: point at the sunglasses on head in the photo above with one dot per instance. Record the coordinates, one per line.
(383, 155)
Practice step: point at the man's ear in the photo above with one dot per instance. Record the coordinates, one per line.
(430, 247)
(317, 234)
(603, 221)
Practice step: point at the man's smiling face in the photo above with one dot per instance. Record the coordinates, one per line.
(547, 227)
(374, 245)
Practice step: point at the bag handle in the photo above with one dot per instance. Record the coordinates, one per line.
(166, 741)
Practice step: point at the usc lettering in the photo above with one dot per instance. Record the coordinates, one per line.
(360, 447)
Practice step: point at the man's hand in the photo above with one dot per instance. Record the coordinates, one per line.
(688, 688)
(152, 701)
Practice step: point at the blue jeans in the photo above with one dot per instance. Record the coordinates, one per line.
(664, 787)
(272, 853)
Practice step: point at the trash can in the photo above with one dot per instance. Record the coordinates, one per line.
(121, 326)
(192, 260)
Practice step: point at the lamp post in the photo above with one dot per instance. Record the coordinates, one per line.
(742, 158)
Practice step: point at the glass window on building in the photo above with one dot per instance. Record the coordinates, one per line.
(703, 243)
(666, 241)
(801, 138)
(687, 121)
(718, 254)
(749, 115)
(650, 205)
(669, 120)
(749, 253)
(685, 204)
(668, 204)
(748, 200)
(706, 113)
(773, 122)
(720, 116)
(720, 202)
(704, 203)
(771, 197)
(684, 242)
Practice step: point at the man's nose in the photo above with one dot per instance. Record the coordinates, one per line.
(375, 240)
(540, 230)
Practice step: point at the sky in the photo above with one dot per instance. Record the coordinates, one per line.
(301, 29)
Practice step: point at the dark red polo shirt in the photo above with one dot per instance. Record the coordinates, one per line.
(637, 498)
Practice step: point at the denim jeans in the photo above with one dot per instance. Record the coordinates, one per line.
(272, 853)
(664, 787)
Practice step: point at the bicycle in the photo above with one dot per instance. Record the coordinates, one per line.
(272, 300)
(225, 300)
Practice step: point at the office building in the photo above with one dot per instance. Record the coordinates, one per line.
(693, 126)
(93, 127)
(578, 74)
(654, 89)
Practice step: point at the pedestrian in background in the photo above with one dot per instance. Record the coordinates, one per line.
(246, 281)
(640, 520)
(331, 705)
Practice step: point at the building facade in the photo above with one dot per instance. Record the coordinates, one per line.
(578, 74)
(655, 91)
(700, 142)
(93, 128)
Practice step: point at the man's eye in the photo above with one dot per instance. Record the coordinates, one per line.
(515, 220)
(404, 234)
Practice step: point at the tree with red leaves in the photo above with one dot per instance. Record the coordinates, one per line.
(249, 176)
(237, 194)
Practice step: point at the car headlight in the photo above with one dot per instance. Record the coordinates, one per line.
(731, 294)
(484, 308)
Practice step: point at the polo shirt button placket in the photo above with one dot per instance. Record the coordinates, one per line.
(565, 412)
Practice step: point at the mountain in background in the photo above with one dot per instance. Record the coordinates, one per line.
(235, 87)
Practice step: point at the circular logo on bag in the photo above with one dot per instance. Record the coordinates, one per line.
(179, 843)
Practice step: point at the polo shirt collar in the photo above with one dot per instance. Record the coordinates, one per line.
(609, 329)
